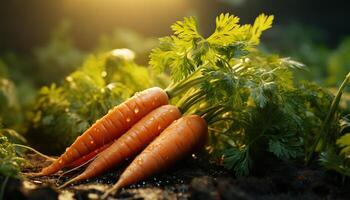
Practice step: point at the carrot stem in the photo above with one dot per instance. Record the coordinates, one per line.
(194, 79)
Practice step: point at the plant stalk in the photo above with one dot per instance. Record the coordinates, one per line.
(329, 117)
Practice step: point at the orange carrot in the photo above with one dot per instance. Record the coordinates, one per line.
(111, 126)
(175, 142)
(88, 156)
(132, 142)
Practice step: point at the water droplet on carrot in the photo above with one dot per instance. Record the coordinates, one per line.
(159, 127)
(136, 110)
(152, 118)
(60, 161)
(128, 119)
(139, 161)
(91, 142)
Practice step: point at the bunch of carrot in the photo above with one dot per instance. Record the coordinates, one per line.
(144, 123)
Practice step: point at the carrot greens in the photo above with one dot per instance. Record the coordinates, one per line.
(250, 99)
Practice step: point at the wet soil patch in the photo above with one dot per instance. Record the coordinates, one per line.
(190, 179)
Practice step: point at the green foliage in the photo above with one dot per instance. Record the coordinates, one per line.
(12, 136)
(10, 108)
(336, 156)
(302, 43)
(250, 100)
(330, 160)
(10, 163)
(58, 57)
(3, 69)
(125, 38)
(66, 111)
(339, 63)
(186, 50)
(344, 143)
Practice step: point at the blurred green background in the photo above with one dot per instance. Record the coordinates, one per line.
(47, 39)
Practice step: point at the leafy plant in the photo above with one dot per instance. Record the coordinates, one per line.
(250, 100)
(10, 108)
(334, 145)
(339, 63)
(58, 57)
(66, 111)
(125, 38)
(10, 163)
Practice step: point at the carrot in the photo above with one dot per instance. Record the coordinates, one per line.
(175, 142)
(132, 142)
(110, 127)
(88, 156)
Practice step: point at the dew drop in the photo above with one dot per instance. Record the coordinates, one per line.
(136, 110)
(194, 156)
(171, 110)
(128, 119)
(139, 161)
(60, 161)
(91, 142)
(159, 127)
(152, 118)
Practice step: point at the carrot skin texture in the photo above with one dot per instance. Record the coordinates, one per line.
(111, 126)
(88, 156)
(175, 142)
(132, 142)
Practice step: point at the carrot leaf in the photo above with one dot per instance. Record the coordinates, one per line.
(250, 99)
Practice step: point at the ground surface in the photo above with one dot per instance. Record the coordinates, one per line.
(191, 179)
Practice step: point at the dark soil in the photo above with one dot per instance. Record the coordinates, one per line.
(190, 179)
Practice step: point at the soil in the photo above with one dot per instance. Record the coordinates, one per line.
(190, 179)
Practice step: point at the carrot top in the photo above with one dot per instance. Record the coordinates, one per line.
(252, 103)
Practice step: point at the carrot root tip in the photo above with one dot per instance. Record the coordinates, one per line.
(70, 182)
(114, 189)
